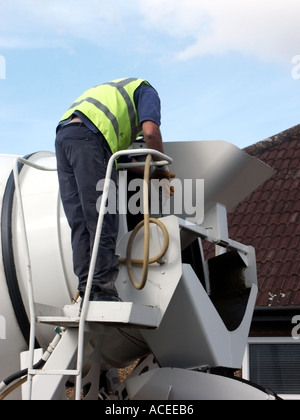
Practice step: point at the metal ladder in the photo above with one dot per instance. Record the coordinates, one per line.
(165, 160)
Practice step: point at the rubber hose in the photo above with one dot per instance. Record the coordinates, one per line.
(146, 223)
(22, 373)
(19, 375)
(12, 388)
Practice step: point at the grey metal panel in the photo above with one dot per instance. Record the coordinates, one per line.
(179, 384)
(230, 174)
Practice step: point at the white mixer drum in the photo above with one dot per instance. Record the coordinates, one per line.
(48, 238)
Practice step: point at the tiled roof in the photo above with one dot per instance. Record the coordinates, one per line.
(269, 220)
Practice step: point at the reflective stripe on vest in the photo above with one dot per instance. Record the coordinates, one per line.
(120, 127)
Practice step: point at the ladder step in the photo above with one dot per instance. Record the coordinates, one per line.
(117, 314)
(53, 372)
(66, 322)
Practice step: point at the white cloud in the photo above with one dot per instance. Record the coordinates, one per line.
(266, 29)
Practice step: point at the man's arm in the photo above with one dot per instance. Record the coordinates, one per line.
(153, 137)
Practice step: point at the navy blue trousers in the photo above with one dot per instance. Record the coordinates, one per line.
(82, 158)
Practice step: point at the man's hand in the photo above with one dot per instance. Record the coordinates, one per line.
(164, 173)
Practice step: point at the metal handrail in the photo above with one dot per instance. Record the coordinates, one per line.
(28, 263)
(165, 160)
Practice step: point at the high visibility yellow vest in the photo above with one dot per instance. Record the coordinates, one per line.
(112, 110)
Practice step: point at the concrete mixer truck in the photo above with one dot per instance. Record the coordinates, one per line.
(187, 301)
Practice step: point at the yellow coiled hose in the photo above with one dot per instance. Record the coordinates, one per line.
(146, 223)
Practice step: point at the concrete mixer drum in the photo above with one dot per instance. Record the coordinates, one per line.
(187, 326)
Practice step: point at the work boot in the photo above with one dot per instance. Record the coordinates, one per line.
(104, 297)
(98, 296)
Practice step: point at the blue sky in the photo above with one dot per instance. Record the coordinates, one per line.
(224, 69)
